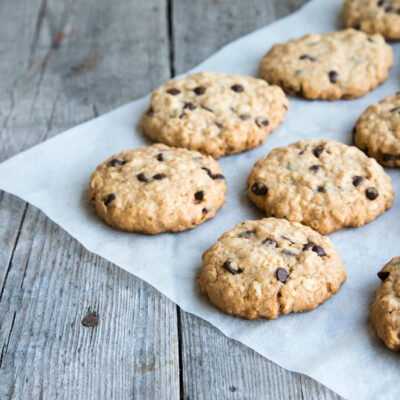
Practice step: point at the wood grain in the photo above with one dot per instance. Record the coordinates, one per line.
(66, 62)
(201, 27)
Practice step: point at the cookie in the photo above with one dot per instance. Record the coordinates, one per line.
(214, 113)
(157, 189)
(385, 310)
(320, 183)
(377, 131)
(269, 267)
(342, 64)
(374, 16)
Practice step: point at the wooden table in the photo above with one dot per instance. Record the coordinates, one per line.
(63, 62)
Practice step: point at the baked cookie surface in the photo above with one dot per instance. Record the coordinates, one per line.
(374, 16)
(378, 131)
(385, 310)
(214, 113)
(321, 183)
(342, 64)
(157, 189)
(264, 268)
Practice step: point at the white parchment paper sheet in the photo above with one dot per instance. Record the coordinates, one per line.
(335, 343)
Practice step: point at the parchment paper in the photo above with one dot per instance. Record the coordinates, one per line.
(333, 344)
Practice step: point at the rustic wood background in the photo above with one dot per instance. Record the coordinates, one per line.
(71, 324)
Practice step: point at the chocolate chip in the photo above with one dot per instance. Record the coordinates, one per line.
(182, 115)
(204, 211)
(160, 157)
(245, 117)
(282, 275)
(270, 242)
(219, 125)
(207, 109)
(383, 275)
(390, 157)
(388, 9)
(158, 177)
(357, 27)
(260, 121)
(208, 171)
(307, 57)
(317, 151)
(307, 246)
(190, 106)
(199, 195)
(116, 161)
(288, 253)
(315, 168)
(90, 320)
(227, 265)
(246, 234)
(109, 198)
(319, 250)
(380, 3)
(141, 177)
(288, 239)
(371, 193)
(150, 112)
(321, 189)
(395, 109)
(358, 180)
(333, 76)
(199, 90)
(237, 88)
(173, 91)
(217, 176)
(259, 188)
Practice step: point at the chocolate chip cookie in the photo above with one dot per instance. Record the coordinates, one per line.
(377, 131)
(269, 267)
(320, 183)
(157, 189)
(214, 113)
(385, 310)
(374, 16)
(342, 64)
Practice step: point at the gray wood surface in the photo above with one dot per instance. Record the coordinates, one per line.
(71, 324)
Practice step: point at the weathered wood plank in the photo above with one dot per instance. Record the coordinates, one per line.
(213, 366)
(201, 27)
(62, 63)
(48, 291)
(285, 7)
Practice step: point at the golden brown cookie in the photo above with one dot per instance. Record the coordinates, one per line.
(374, 16)
(342, 64)
(214, 113)
(264, 268)
(377, 131)
(157, 189)
(385, 310)
(320, 183)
